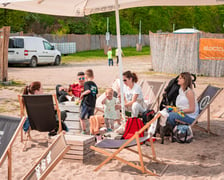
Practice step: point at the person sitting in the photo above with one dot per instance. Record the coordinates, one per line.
(186, 104)
(134, 100)
(78, 88)
(74, 91)
(35, 88)
(63, 94)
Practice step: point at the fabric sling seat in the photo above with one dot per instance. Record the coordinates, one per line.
(153, 93)
(40, 111)
(9, 129)
(115, 144)
(135, 140)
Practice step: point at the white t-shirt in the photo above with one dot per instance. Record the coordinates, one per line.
(130, 92)
(183, 103)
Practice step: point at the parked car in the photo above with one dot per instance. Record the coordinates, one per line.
(32, 51)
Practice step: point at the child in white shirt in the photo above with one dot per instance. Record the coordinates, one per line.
(110, 113)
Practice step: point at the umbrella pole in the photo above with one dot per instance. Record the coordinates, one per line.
(120, 58)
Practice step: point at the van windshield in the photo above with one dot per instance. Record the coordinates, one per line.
(16, 43)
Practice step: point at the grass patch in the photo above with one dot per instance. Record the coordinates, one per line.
(99, 54)
(12, 83)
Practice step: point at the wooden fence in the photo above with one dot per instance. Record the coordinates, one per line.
(92, 42)
(176, 53)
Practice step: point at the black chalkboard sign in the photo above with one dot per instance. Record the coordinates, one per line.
(207, 97)
(8, 127)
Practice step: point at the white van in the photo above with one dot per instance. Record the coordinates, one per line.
(32, 51)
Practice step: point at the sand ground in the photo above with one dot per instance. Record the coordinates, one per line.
(201, 159)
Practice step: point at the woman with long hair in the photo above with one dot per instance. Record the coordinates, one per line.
(134, 100)
(186, 103)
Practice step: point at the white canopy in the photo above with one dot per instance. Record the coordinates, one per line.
(86, 7)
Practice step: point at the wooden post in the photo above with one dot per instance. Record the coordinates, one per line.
(9, 154)
(138, 47)
(208, 116)
(4, 42)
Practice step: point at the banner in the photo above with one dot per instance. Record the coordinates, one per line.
(211, 49)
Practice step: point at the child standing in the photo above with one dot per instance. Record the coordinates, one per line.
(116, 54)
(110, 57)
(88, 98)
(110, 113)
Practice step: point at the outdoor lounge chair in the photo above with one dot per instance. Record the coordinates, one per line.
(153, 93)
(49, 159)
(204, 101)
(41, 112)
(9, 129)
(135, 140)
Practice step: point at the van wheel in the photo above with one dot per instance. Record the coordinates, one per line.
(33, 62)
(57, 60)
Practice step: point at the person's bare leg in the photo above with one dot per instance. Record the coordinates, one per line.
(118, 121)
(83, 124)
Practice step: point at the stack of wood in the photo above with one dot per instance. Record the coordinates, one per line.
(73, 113)
(79, 147)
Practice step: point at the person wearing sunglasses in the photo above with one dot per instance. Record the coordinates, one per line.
(134, 101)
(78, 88)
(68, 94)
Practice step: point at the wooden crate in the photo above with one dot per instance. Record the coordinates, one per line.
(73, 113)
(80, 147)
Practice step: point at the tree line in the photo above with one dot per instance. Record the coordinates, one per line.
(154, 19)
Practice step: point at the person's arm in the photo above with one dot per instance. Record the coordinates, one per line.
(85, 93)
(191, 99)
(134, 99)
(104, 100)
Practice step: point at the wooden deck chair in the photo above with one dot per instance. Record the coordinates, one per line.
(141, 82)
(126, 144)
(204, 101)
(49, 159)
(153, 93)
(9, 129)
(40, 110)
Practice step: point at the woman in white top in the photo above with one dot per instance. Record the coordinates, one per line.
(134, 101)
(186, 101)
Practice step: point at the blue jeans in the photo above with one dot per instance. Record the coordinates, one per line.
(26, 125)
(173, 116)
(86, 111)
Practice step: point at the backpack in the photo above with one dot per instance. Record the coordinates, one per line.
(182, 134)
(132, 125)
(148, 115)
